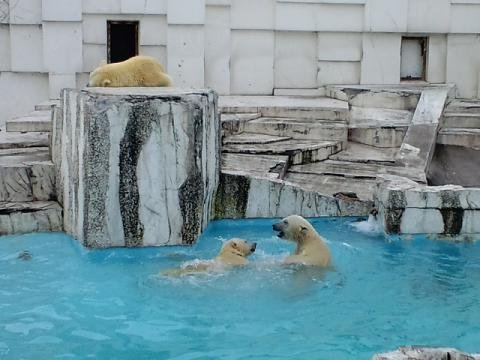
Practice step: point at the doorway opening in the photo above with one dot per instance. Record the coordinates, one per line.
(122, 40)
(413, 57)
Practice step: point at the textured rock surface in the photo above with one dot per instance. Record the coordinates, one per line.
(25, 217)
(138, 166)
(241, 195)
(425, 353)
(407, 207)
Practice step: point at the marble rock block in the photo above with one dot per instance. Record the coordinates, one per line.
(137, 166)
(406, 207)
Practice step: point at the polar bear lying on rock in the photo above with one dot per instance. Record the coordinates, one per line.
(233, 253)
(311, 247)
(136, 71)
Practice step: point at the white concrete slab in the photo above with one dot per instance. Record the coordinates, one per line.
(29, 124)
(68, 37)
(319, 16)
(179, 15)
(61, 10)
(437, 59)
(338, 72)
(26, 48)
(252, 61)
(101, 7)
(254, 104)
(381, 58)
(253, 14)
(186, 54)
(217, 49)
(464, 18)
(295, 59)
(428, 16)
(339, 46)
(25, 11)
(386, 15)
(463, 57)
(5, 48)
(151, 7)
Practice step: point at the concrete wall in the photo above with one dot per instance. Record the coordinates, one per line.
(242, 46)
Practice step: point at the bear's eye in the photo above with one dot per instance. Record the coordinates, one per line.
(285, 222)
(234, 245)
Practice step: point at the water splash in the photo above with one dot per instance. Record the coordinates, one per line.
(369, 226)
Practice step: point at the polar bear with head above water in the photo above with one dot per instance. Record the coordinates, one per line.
(311, 247)
(234, 252)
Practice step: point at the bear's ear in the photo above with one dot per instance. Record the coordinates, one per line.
(304, 230)
(106, 83)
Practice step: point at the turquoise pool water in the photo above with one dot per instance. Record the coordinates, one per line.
(70, 303)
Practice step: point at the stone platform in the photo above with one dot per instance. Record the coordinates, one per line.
(137, 166)
(406, 207)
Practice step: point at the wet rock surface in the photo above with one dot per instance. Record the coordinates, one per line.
(137, 166)
(426, 353)
(406, 207)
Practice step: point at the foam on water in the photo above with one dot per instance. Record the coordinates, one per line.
(68, 302)
(371, 225)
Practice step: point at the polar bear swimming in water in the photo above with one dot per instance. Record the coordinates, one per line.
(234, 252)
(311, 247)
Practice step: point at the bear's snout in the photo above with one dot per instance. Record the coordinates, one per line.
(280, 228)
(254, 246)
(277, 227)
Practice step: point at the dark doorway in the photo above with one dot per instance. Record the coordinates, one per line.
(122, 37)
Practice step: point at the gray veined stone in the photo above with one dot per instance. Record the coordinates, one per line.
(137, 166)
(425, 353)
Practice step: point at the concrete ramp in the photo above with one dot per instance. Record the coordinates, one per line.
(419, 142)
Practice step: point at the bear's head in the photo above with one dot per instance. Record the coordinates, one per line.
(238, 247)
(293, 227)
(100, 78)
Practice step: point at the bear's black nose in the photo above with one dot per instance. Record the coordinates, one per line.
(254, 246)
(276, 227)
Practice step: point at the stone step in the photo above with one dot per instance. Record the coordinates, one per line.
(26, 217)
(464, 106)
(301, 129)
(383, 128)
(461, 120)
(269, 166)
(319, 92)
(372, 96)
(26, 177)
(235, 123)
(286, 106)
(252, 138)
(16, 156)
(239, 117)
(47, 105)
(37, 121)
(9, 140)
(361, 153)
(299, 151)
(355, 170)
(331, 185)
(459, 136)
